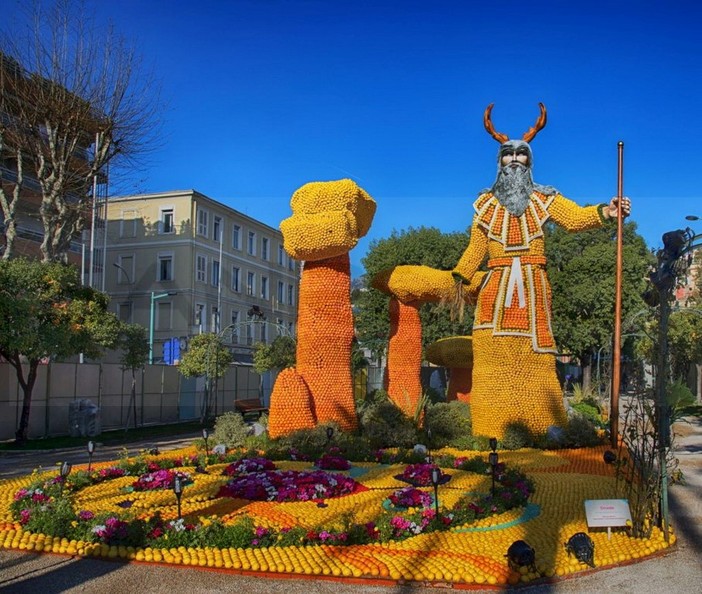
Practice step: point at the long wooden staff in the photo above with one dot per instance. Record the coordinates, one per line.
(617, 337)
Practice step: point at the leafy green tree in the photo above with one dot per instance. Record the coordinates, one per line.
(423, 246)
(581, 269)
(135, 354)
(206, 355)
(279, 354)
(45, 313)
(68, 80)
(684, 341)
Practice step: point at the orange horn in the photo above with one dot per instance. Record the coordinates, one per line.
(487, 122)
(540, 123)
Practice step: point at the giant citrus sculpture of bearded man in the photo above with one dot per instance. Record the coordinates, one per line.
(514, 371)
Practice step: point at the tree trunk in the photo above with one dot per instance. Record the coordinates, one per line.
(587, 373)
(134, 398)
(27, 388)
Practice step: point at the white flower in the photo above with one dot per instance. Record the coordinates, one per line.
(177, 525)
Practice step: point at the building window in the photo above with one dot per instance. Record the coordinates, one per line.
(200, 320)
(250, 283)
(165, 267)
(215, 273)
(164, 315)
(264, 333)
(280, 326)
(166, 223)
(264, 287)
(291, 295)
(291, 327)
(281, 255)
(125, 270)
(201, 268)
(249, 334)
(235, 330)
(202, 216)
(251, 247)
(236, 237)
(291, 264)
(214, 318)
(127, 226)
(217, 228)
(281, 293)
(124, 312)
(236, 279)
(265, 248)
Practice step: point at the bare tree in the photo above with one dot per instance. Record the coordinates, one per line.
(73, 100)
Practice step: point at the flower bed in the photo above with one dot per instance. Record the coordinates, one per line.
(538, 497)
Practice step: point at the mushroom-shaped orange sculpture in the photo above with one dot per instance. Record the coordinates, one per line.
(409, 286)
(328, 220)
(456, 354)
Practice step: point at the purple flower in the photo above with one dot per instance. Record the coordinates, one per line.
(248, 465)
(25, 516)
(410, 497)
(287, 485)
(331, 462)
(21, 494)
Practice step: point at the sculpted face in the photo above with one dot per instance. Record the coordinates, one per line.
(514, 155)
(514, 185)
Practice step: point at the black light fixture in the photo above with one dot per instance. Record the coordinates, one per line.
(64, 471)
(609, 457)
(493, 443)
(429, 457)
(521, 554)
(674, 242)
(91, 451)
(330, 434)
(493, 460)
(435, 477)
(178, 490)
(580, 545)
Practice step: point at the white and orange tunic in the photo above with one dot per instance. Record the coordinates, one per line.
(515, 295)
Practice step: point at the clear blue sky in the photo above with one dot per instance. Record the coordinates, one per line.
(266, 95)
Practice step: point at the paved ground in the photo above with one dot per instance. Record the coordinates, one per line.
(678, 571)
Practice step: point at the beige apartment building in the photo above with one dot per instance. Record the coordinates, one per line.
(180, 263)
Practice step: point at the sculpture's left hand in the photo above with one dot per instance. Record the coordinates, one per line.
(610, 211)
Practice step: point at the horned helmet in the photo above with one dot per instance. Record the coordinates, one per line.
(507, 145)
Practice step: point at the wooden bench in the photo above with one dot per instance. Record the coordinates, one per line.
(250, 406)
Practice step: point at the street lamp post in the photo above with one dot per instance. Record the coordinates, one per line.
(154, 298)
(675, 245)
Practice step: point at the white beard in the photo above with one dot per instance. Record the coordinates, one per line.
(513, 188)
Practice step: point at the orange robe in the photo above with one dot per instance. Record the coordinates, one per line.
(514, 371)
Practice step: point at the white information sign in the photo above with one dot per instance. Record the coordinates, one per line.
(607, 513)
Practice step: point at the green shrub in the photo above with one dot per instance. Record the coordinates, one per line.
(385, 425)
(231, 430)
(311, 443)
(581, 432)
(586, 409)
(447, 422)
(517, 436)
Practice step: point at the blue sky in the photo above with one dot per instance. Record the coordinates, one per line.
(266, 95)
